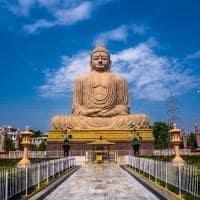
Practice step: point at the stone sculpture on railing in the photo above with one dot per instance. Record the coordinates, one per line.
(197, 135)
(17, 137)
(3, 137)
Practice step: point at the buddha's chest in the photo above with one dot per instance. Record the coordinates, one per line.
(101, 88)
(102, 81)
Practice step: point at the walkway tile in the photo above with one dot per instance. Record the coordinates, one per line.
(101, 182)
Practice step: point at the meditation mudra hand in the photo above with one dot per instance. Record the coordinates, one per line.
(100, 100)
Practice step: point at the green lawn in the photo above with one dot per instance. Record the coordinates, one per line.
(193, 160)
(12, 162)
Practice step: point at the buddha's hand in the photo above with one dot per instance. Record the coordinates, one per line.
(90, 112)
(106, 113)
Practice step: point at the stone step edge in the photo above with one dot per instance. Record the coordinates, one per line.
(51, 187)
(156, 189)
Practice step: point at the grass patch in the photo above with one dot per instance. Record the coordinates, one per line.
(12, 162)
(33, 190)
(171, 188)
(193, 160)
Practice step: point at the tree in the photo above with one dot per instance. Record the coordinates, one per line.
(9, 144)
(161, 134)
(20, 144)
(37, 133)
(42, 146)
(33, 147)
(191, 141)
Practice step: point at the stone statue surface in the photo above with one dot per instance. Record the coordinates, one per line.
(197, 134)
(17, 137)
(100, 100)
(3, 137)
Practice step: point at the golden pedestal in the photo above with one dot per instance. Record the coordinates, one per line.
(113, 135)
(80, 138)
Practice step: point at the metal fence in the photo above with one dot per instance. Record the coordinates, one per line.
(58, 154)
(16, 180)
(42, 154)
(168, 152)
(184, 177)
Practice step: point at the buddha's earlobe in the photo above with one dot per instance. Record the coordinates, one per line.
(110, 62)
(91, 67)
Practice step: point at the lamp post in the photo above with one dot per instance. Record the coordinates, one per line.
(66, 144)
(175, 140)
(66, 147)
(135, 142)
(136, 146)
(26, 142)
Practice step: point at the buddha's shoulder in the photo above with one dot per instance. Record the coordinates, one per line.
(93, 75)
(82, 78)
(119, 78)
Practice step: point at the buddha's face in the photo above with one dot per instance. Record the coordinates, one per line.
(100, 61)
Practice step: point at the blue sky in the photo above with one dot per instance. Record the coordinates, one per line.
(45, 45)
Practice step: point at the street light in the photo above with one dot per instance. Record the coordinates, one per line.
(66, 144)
(136, 141)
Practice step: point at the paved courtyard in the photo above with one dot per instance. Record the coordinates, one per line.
(101, 182)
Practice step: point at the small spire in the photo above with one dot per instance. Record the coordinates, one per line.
(27, 128)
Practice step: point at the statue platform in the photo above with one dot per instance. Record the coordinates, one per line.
(80, 138)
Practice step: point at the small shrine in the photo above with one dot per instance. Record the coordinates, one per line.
(101, 150)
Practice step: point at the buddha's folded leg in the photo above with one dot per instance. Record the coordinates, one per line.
(140, 120)
(128, 121)
(82, 122)
(60, 122)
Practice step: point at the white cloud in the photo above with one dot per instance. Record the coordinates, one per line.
(72, 15)
(23, 7)
(61, 12)
(194, 55)
(63, 16)
(118, 34)
(138, 29)
(149, 75)
(40, 23)
(61, 81)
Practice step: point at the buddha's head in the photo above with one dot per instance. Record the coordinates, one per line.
(100, 59)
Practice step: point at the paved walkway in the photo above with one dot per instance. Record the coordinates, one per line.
(101, 182)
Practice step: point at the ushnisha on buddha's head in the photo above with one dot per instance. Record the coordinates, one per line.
(100, 59)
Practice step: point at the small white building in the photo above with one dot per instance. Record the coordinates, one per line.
(38, 140)
(12, 132)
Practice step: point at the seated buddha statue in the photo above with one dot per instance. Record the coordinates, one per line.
(100, 100)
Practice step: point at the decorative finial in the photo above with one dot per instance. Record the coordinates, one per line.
(174, 125)
(27, 128)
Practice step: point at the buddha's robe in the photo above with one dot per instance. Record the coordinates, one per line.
(105, 94)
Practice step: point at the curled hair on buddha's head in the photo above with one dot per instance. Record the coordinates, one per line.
(101, 48)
